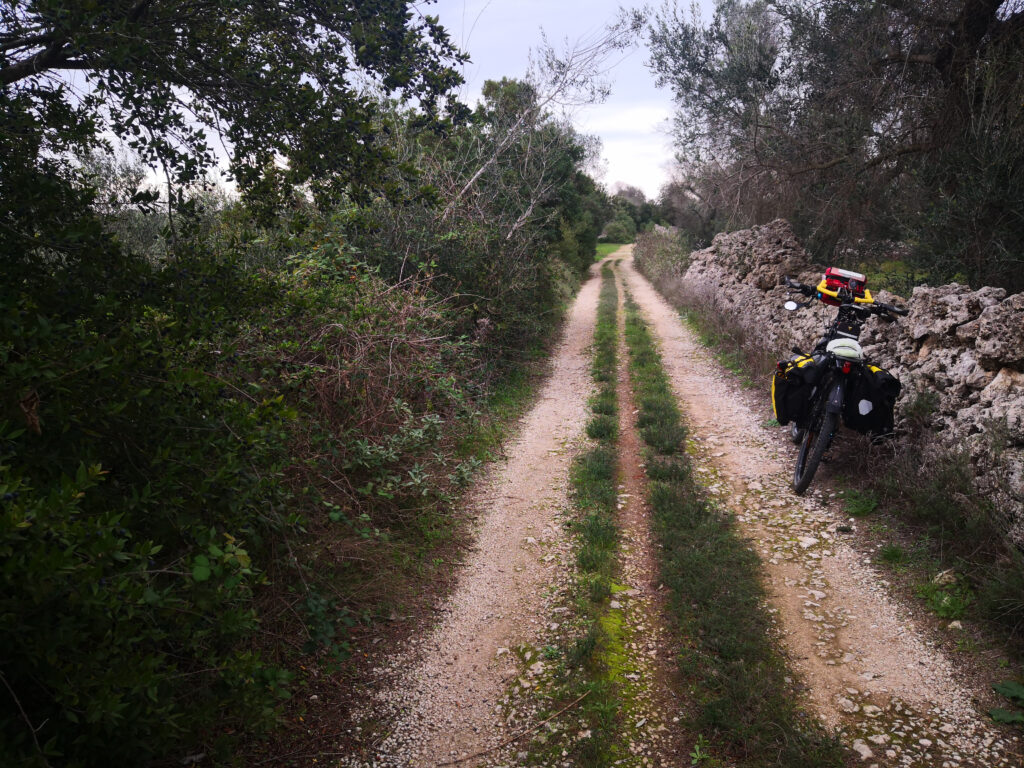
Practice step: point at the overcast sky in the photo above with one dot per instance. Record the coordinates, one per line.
(632, 123)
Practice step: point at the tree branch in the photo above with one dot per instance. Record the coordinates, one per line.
(40, 62)
(25, 42)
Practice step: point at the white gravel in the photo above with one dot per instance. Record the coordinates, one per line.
(441, 695)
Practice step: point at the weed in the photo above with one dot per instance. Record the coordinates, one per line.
(1014, 691)
(664, 438)
(948, 601)
(893, 554)
(603, 427)
(921, 407)
(934, 496)
(966, 644)
(701, 756)
(859, 503)
(603, 403)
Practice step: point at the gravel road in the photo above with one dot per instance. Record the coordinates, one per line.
(870, 671)
(868, 668)
(440, 698)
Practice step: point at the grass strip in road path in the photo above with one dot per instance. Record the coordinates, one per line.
(584, 671)
(743, 705)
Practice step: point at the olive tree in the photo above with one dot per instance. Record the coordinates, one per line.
(862, 120)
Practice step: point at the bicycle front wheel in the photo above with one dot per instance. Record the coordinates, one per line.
(816, 441)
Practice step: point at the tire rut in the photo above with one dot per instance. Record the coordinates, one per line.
(438, 700)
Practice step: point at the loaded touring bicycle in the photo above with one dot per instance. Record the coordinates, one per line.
(814, 391)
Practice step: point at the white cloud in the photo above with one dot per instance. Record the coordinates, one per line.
(636, 120)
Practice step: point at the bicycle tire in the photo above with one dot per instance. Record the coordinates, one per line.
(815, 443)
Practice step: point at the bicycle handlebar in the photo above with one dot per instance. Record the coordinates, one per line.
(806, 290)
(868, 303)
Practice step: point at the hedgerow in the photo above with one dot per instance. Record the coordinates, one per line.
(199, 457)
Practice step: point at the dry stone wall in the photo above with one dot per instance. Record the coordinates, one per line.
(965, 346)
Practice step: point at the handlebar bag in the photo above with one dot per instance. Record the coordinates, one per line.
(792, 386)
(871, 401)
(836, 278)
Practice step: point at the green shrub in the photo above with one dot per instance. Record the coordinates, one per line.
(893, 554)
(140, 474)
(160, 445)
(947, 601)
(621, 229)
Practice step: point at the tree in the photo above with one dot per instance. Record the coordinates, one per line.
(518, 216)
(562, 80)
(858, 121)
(631, 194)
(277, 83)
(275, 79)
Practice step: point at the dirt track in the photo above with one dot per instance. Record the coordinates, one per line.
(439, 699)
(870, 671)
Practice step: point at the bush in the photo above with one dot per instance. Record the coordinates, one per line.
(661, 255)
(164, 441)
(621, 229)
(141, 473)
(198, 432)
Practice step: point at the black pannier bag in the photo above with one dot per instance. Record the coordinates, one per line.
(871, 400)
(792, 385)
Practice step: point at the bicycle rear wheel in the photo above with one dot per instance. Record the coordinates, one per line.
(816, 442)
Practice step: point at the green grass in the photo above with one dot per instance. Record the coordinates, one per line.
(893, 554)
(743, 705)
(588, 666)
(507, 401)
(606, 249)
(858, 503)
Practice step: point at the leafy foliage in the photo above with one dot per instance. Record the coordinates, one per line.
(226, 424)
(621, 229)
(221, 423)
(862, 123)
(274, 79)
(1014, 691)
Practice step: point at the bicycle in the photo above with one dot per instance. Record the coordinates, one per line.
(834, 381)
